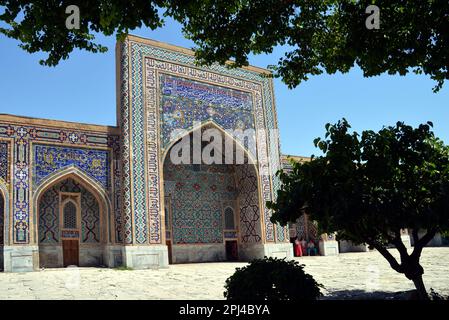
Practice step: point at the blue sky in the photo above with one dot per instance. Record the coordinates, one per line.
(82, 89)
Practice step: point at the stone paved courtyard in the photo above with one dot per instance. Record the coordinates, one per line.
(349, 275)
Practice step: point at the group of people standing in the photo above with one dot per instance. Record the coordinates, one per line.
(302, 248)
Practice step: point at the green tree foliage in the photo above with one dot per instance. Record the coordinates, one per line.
(272, 279)
(369, 187)
(320, 35)
(41, 25)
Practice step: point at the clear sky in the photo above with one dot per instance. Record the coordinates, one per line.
(82, 89)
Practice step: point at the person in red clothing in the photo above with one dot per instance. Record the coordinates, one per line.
(303, 246)
(298, 249)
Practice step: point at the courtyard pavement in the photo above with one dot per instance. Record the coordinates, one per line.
(348, 275)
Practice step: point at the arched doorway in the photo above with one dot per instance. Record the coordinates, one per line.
(70, 224)
(211, 209)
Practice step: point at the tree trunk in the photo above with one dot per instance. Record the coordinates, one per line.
(420, 288)
(409, 266)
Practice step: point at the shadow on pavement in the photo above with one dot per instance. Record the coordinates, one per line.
(369, 295)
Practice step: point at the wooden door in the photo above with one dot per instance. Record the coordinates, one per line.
(70, 250)
(232, 250)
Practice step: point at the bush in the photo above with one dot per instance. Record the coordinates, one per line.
(272, 279)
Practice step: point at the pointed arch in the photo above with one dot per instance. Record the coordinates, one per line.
(209, 123)
(87, 182)
(247, 205)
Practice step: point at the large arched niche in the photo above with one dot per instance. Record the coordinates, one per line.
(71, 190)
(198, 196)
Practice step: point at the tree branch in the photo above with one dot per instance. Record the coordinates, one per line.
(427, 237)
(397, 241)
(387, 255)
(421, 243)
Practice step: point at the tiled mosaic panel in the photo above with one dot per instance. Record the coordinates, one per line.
(133, 106)
(4, 162)
(138, 140)
(48, 159)
(281, 233)
(184, 102)
(49, 213)
(250, 228)
(306, 229)
(125, 146)
(73, 234)
(2, 219)
(22, 136)
(153, 155)
(114, 143)
(230, 234)
(49, 216)
(90, 213)
(197, 193)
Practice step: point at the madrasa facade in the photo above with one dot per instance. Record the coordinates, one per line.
(183, 177)
(91, 195)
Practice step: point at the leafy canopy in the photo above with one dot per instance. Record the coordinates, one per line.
(41, 25)
(320, 35)
(368, 187)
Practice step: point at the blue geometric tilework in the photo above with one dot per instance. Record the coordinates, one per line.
(139, 187)
(230, 234)
(49, 216)
(246, 181)
(2, 219)
(125, 146)
(146, 71)
(24, 136)
(48, 159)
(4, 155)
(184, 101)
(280, 232)
(49, 232)
(306, 229)
(162, 61)
(197, 193)
(90, 217)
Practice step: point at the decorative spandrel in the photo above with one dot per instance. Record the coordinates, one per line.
(4, 163)
(185, 101)
(49, 159)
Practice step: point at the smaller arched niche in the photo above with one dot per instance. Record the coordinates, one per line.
(70, 225)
